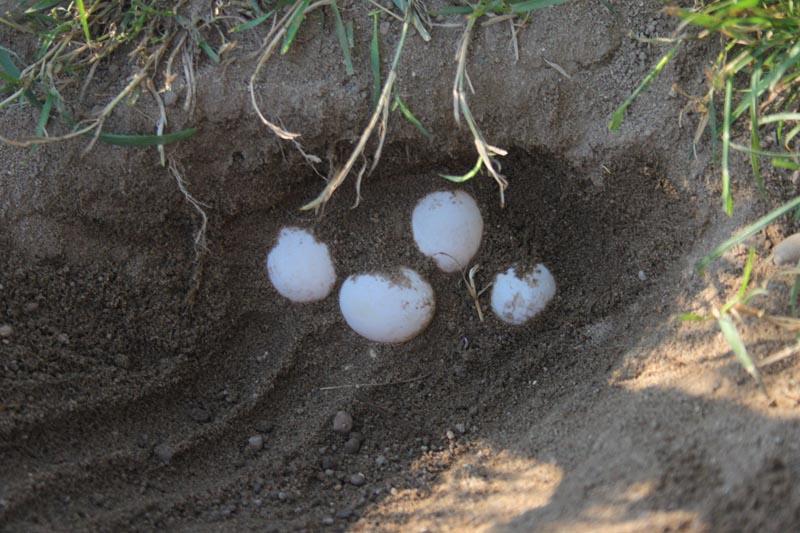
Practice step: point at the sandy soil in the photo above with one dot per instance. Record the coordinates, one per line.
(144, 390)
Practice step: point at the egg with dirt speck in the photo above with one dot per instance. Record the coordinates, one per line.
(517, 298)
(391, 307)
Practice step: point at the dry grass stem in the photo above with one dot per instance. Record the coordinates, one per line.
(381, 113)
(461, 107)
(384, 384)
(779, 356)
(162, 119)
(785, 322)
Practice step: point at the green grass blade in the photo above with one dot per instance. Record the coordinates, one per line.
(398, 104)
(754, 294)
(791, 135)
(526, 6)
(453, 10)
(748, 270)
(619, 114)
(774, 155)
(250, 24)
(747, 232)
(11, 70)
(351, 42)
(294, 25)
(692, 317)
(785, 164)
(418, 24)
(790, 60)
(779, 117)
(742, 295)
(734, 340)
(755, 142)
(727, 197)
(468, 176)
(375, 62)
(712, 123)
(7, 64)
(44, 115)
(342, 34)
(209, 51)
(84, 21)
(42, 6)
(147, 140)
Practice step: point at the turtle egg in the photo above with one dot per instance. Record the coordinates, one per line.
(300, 267)
(516, 299)
(788, 251)
(390, 307)
(448, 226)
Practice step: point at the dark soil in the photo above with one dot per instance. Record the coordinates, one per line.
(144, 387)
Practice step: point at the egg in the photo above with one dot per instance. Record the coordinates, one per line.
(448, 227)
(788, 251)
(300, 267)
(518, 298)
(387, 307)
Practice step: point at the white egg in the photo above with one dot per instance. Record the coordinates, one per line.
(300, 267)
(788, 251)
(516, 299)
(448, 227)
(391, 307)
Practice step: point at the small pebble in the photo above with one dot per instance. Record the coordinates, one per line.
(282, 496)
(461, 428)
(345, 513)
(342, 423)
(642, 276)
(380, 460)
(357, 479)
(255, 443)
(450, 435)
(328, 463)
(327, 521)
(265, 428)
(6, 330)
(353, 444)
(199, 415)
(30, 307)
(63, 338)
(122, 361)
(164, 453)
(170, 98)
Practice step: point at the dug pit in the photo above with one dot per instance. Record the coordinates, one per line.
(152, 384)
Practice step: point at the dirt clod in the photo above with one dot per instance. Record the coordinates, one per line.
(342, 423)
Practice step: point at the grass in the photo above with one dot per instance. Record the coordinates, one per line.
(760, 45)
(757, 76)
(75, 36)
(73, 39)
(385, 96)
